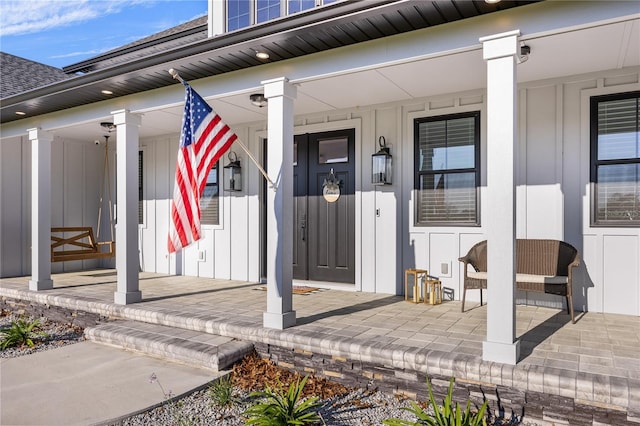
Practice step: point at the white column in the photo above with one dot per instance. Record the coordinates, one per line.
(280, 313)
(500, 52)
(40, 210)
(127, 264)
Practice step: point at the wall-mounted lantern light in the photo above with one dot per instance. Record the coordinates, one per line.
(381, 164)
(232, 174)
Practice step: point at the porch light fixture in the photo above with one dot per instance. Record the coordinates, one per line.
(381, 164)
(106, 92)
(21, 113)
(262, 55)
(108, 126)
(258, 99)
(492, 1)
(232, 173)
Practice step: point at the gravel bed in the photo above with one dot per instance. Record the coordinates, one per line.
(358, 408)
(56, 335)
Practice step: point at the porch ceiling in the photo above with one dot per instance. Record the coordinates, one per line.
(577, 51)
(335, 25)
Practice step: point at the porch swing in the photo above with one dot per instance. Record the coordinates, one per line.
(78, 242)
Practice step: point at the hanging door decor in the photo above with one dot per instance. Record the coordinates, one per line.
(331, 188)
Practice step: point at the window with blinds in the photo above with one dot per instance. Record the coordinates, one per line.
(209, 201)
(447, 171)
(615, 159)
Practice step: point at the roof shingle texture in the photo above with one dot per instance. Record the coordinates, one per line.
(19, 75)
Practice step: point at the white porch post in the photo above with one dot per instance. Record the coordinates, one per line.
(280, 313)
(40, 210)
(127, 264)
(500, 52)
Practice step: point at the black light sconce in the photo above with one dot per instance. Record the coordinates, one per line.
(232, 173)
(382, 164)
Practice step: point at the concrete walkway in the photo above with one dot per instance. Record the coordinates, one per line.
(87, 383)
(595, 361)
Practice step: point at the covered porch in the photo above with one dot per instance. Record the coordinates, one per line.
(591, 366)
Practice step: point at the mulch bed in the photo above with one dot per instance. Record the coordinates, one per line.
(254, 373)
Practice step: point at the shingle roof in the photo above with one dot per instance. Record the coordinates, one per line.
(175, 37)
(20, 75)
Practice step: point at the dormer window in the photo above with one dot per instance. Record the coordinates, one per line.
(243, 13)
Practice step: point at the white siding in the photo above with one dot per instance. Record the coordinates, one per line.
(553, 197)
(13, 241)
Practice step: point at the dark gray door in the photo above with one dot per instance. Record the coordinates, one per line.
(324, 232)
(300, 234)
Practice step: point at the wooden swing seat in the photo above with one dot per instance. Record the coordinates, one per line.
(83, 245)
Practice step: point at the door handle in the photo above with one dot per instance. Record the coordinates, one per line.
(303, 227)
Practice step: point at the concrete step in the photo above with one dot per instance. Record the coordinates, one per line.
(185, 346)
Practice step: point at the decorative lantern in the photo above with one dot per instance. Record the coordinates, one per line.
(381, 165)
(232, 173)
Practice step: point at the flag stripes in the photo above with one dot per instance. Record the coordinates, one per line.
(204, 139)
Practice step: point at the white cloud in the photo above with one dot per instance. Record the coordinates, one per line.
(74, 54)
(25, 17)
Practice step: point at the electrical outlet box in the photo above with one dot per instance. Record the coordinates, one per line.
(445, 269)
(202, 256)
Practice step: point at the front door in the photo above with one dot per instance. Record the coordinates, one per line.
(324, 232)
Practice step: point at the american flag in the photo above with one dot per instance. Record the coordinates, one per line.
(203, 140)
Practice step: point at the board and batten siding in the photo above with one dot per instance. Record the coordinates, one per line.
(76, 173)
(611, 279)
(553, 197)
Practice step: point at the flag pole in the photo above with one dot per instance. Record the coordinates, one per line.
(176, 76)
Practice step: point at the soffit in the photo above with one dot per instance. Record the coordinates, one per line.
(336, 25)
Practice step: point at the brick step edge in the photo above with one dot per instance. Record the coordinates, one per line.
(197, 354)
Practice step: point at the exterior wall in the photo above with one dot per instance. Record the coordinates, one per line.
(76, 173)
(14, 159)
(611, 278)
(553, 198)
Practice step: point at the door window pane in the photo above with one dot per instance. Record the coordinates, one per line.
(295, 153)
(333, 151)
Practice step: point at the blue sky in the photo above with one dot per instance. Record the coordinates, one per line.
(64, 32)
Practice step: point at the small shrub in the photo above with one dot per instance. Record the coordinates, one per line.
(20, 333)
(280, 408)
(221, 392)
(448, 415)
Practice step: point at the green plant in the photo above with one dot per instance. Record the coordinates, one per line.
(21, 332)
(221, 392)
(448, 415)
(279, 408)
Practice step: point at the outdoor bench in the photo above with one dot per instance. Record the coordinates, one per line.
(543, 266)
